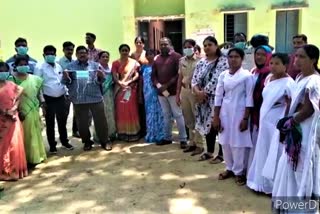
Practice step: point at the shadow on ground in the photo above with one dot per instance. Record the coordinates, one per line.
(133, 178)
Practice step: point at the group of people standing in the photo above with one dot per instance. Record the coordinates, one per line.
(266, 118)
(264, 106)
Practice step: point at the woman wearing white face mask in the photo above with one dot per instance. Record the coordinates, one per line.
(184, 96)
(29, 110)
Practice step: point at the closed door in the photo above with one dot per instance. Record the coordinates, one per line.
(286, 27)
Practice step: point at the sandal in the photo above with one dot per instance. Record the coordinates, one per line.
(109, 147)
(226, 174)
(198, 151)
(205, 156)
(241, 180)
(218, 159)
(190, 149)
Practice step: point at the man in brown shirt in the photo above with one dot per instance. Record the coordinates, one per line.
(298, 42)
(165, 76)
(92, 50)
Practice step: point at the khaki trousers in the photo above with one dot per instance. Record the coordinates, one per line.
(188, 109)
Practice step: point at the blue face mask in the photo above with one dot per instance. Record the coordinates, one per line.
(241, 45)
(188, 51)
(4, 75)
(21, 50)
(82, 74)
(23, 69)
(50, 58)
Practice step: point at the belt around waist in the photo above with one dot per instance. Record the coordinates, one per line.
(50, 97)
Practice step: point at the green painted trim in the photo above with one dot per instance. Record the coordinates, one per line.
(289, 5)
(235, 9)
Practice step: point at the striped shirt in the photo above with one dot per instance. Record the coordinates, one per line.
(84, 89)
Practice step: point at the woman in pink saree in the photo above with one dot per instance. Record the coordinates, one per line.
(13, 165)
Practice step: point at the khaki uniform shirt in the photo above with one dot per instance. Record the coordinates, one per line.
(186, 68)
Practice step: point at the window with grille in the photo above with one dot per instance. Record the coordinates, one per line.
(234, 23)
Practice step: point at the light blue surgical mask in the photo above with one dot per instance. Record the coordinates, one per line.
(50, 58)
(188, 51)
(23, 69)
(4, 75)
(241, 45)
(21, 50)
(82, 74)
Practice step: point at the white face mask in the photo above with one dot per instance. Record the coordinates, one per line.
(188, 51)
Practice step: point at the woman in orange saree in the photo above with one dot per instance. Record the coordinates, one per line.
(125, 73)
(13, 164)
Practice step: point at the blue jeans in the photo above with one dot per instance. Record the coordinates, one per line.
(171, 109)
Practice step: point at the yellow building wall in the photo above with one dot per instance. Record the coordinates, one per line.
(208, 15)
(261, 20)
(159, 7)
(53, 22)
(310, 22)
(113, 21)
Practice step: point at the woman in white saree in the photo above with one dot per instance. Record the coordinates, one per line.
(277, 93)
(297, 177)
(231, 114)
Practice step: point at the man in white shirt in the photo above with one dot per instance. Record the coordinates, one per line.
(55, 102)
(68, 49)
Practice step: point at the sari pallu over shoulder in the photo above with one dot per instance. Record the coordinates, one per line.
(309, 185)
(278, 88)
(133, 66)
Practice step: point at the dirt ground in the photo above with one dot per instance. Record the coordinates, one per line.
(132, 178)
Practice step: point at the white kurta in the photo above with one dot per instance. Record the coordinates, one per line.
(268, 148)
(234, 94)
(304, 182)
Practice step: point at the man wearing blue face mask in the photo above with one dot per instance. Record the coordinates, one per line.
(54, 94)
(21, 48)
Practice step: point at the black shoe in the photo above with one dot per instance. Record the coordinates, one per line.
(53, 150)
(76, 135)
(91, 142)
(68, 146)
(164, 142)
(183, 145)
(87, 146)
